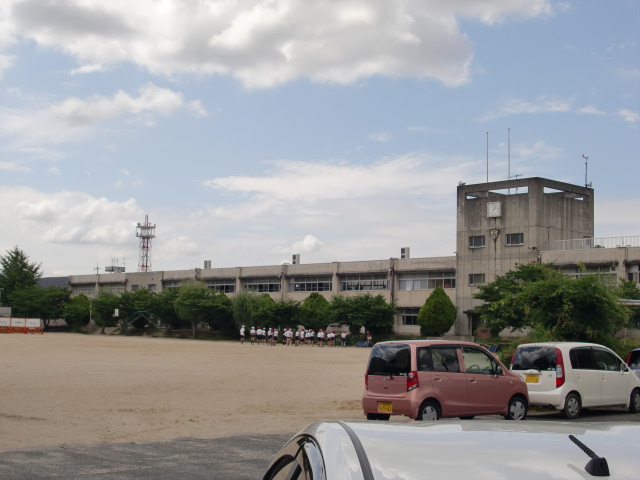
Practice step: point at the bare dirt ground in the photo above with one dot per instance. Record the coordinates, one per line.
(62, 389)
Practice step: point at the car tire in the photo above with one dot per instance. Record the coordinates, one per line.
(634, 401)
(428, 411)
(572, 406)
(517, 408)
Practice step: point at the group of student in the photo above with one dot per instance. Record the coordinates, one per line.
(298, 337)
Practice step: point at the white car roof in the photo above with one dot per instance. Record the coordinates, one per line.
(478, 449)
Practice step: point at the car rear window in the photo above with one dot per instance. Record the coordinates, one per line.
(634, 358)
(538, 358)
(390, 359)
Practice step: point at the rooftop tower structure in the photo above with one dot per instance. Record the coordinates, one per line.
(145, 232)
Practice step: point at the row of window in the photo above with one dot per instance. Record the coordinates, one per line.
(427, 280)
(368, 282)
(421, 281)
(512, 239)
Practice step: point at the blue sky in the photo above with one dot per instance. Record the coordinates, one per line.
(252, 130)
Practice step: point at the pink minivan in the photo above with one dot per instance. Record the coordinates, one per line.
(430, 379)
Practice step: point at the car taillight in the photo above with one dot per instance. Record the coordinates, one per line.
(412, 381)
(559, 369)
(366, 380)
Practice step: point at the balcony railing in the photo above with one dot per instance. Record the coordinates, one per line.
(589, 243)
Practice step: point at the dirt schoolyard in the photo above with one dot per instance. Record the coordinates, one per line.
(70, 389)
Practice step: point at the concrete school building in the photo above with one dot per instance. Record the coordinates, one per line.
(499, 226)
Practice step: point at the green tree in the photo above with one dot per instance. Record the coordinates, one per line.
(373, 314)
(242, 308)
(629, 290)
(555, 305)
(314, 312)
(77, 312)
(437, 315)
(575, 309)
(220, 315)
(264, 310)
(502, 307)
(45, 303)
(164, 309)
(137, 309)
(286, 313)
(16, 273)
(194, 303)
(103, 308)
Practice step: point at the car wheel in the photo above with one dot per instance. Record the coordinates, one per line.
(634, 401)
(517, 408)
(429, 410)
(572, 406)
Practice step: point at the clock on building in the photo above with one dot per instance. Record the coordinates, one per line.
(494, 209)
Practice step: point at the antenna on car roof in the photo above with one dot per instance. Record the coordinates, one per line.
(597, 466)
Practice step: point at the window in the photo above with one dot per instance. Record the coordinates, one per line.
(605, 360)
(135, 288)
(445, 359)
(364, 282)
(262, 285)
(478, 362)
(86, 290)
(115, 288)
(476, 279)
(607, 273)
(151, 287)
(172, 284)
(476, 241)
(225, 285)
(581, 359)
(427, 280)
(311, 284)
(409, 316)
(515, 238)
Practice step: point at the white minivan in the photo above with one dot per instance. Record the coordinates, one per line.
(570, 376)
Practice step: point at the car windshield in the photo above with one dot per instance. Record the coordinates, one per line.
(539, 358)
(390, 359)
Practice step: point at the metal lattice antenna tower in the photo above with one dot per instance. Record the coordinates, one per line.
(145, 232)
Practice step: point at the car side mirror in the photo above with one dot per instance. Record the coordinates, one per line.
(624, 367)
(498, 370)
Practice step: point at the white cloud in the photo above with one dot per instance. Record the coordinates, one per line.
(380, 137)
(75, 118)
(629, 115)
(308, 244)
(89, 68)
(590, 110)
(67, 228)
(307, 183)
(514, 106)
(265, 43)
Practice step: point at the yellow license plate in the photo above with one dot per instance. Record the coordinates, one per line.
(531, 378)
(385, 407)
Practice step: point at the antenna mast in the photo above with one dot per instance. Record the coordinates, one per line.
(145, 232)
(586, 159)
(487, 157)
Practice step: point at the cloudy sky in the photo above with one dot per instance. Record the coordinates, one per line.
(250, 130)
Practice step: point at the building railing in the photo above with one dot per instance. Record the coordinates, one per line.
(589, 243)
